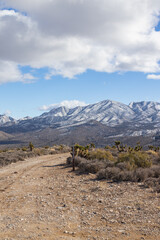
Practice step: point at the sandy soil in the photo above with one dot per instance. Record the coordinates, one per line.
(43, 199)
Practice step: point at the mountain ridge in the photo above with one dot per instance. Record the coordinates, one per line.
(108, 112)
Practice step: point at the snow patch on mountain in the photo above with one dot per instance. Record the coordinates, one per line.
(4, 119)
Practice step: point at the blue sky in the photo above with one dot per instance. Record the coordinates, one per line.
(46, 59)
(90, 87)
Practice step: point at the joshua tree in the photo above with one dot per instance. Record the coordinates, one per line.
(117, 144)
(150, 147)
(156, 149)
(92, 145)
(130, 149)
(138, 147)
(31, 146)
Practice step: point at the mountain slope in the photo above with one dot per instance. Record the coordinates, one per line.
(6, 120)
(146, 111)
(106, 112)
(144, 115)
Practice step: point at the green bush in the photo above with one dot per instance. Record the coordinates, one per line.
(46, 147)
(134, 160)
(100, 154)
(24, 149)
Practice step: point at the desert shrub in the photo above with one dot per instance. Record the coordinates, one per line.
(125, 176)
(62, 149)
(113, 147)
(134, 166)
(153, 156)
(156, 159)
(46, 147)
(24, 149)
(114, 153)
(152, 153)
(95, 166)
(92, 167)
(115, 174)
(112, 173)
(40, 151)
(100, 154)
(153, 183)
(141, 174)
(156, 170)
(52, 152)
(20, 158)
(101, 174)
(87, 166)
(135, 159)
(122, 165)
(119, 173)
(107, 147)
(109, 164)
(82, 165)
(78, 160)
(69, 161)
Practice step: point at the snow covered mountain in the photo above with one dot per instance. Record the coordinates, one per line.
(110, 113)
(107, 112)
(6, 120)
(147, 112)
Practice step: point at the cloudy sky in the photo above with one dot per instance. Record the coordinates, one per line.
(72, 52)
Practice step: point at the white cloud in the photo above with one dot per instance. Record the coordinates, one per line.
(28, 78)
(9, 72)
(71, 36)
(66, 103)
(153, 76)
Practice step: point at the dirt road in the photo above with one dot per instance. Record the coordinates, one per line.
(42, 199)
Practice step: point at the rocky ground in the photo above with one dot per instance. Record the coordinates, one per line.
(41, 198)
